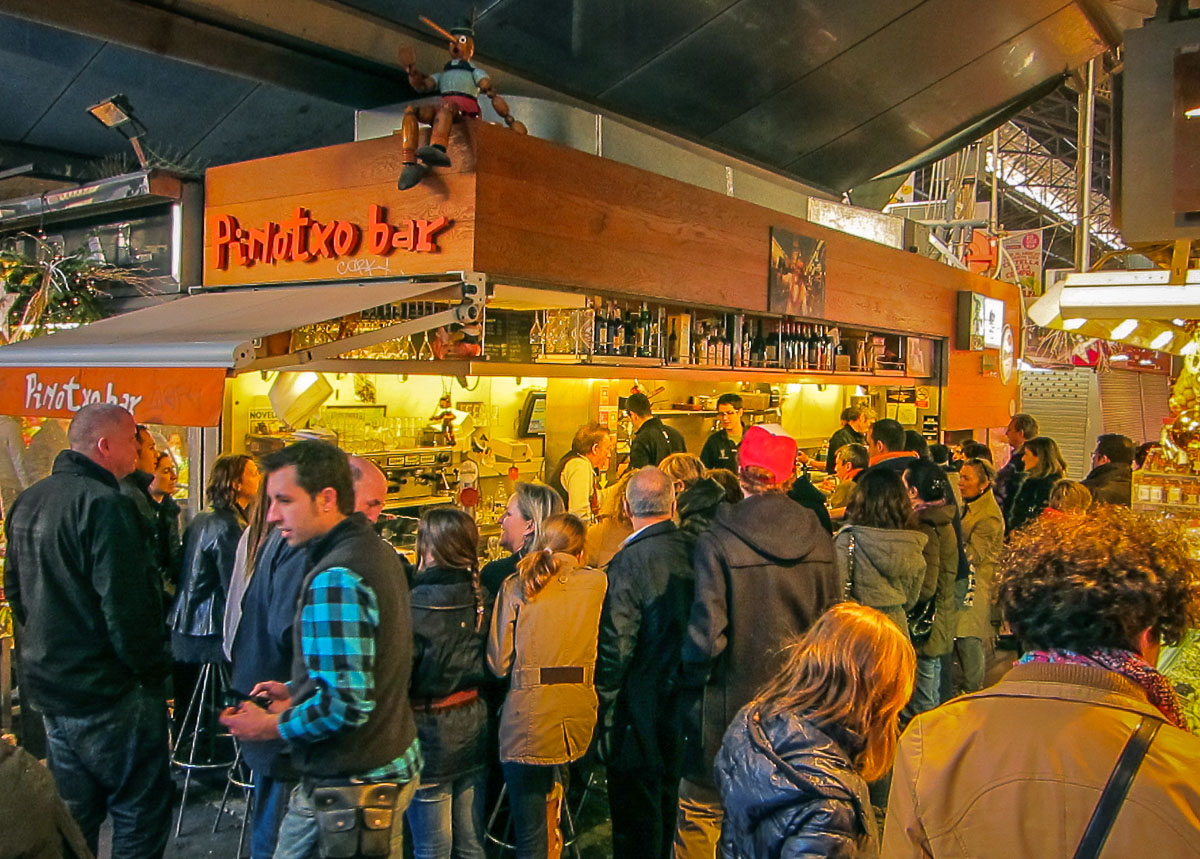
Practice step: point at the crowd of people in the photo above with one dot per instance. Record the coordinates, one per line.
(737, 644)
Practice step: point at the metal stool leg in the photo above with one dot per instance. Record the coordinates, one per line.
(205, 697)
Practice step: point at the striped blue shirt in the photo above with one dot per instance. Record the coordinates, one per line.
(338, 621)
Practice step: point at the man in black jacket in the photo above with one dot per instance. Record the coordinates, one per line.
(855, 422)
(1111, 478)
(650, 588)
(1020, 429)
(653, 440)
(93, 643)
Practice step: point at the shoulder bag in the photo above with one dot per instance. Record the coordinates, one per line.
(848, 591)
(1113, 795)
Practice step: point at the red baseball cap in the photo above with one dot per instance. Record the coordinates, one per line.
(769, 446)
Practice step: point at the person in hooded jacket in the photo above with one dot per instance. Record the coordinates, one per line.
(451, 617)
(927, 487)
(880, 554)
(794, 764)
(696, 494)
(764, 573)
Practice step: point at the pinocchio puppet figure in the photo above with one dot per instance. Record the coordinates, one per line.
(457, 87)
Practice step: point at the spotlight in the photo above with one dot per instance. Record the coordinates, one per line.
(117, 113)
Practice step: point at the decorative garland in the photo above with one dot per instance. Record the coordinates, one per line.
(52, 289)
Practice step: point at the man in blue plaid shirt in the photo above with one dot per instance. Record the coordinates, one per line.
(345, 713)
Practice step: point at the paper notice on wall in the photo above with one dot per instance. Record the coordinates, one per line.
(1021, 261)
(892, 410)
(906, 413)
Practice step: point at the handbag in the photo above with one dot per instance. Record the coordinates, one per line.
(920, 620)
(355, 820)
(849, 588)
(1116, 788)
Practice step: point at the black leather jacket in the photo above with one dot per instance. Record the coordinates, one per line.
(209, 545)
(449, 655)
(90, 615)
(789, 789)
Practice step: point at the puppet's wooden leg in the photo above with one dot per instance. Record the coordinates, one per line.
(434, 154)
(412, 171)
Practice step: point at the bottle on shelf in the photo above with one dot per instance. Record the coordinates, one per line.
(713, 358)
(814, 349)
(673, 345)
(643, 332)
(771, 347)
(630, 334)
(599, 329)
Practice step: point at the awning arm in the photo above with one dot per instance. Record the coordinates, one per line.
(468, 311)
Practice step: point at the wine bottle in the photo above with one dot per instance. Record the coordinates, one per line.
(814, 349)
(630, 334)
(599, 329)
(673, 345)
(644, 332)
(771, 348)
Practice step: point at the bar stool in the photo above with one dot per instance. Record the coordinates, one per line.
(570, 835)
(239, 776)
(199, 734)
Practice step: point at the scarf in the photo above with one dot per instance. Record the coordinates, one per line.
(1130, 666)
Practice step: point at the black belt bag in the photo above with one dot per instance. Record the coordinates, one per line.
(355, 819)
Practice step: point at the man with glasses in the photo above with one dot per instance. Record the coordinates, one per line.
(1111, 478)
(721, 449)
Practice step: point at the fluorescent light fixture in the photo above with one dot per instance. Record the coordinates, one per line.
(1124, 329)
(1073, 324)
(1194, 113)
(1119, 358)
(1146, 362)
(1162, 340)
(1189, 347)
(1179, 322)
(1121, 294)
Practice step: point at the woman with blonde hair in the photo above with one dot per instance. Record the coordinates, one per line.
(544, 634)
(697, 495)
(794, 765)
(1068, 496)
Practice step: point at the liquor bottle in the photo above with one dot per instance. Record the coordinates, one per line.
(771, 348)
(814, 349)
(726, 347)
(860, 355)
(644, 332)
(630, 334)
(599, 329)
(673, 345)
(616, 331)
(758, 347)
(700, 344)
(714, 346)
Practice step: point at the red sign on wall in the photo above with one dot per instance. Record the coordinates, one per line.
(303, 238)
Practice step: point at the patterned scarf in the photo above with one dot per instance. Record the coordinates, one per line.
(1130, 666)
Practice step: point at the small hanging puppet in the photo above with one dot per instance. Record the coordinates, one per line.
(456, 89)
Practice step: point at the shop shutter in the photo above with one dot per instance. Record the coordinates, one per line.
(1156, 396)
(1134, 403)
(1063, 403)
(1121, 403)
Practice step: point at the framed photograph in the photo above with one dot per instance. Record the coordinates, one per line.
(796, 283)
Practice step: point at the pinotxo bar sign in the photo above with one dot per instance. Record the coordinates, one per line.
(304, 238)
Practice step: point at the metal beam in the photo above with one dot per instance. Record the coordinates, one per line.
(170, 34)
(47, 163)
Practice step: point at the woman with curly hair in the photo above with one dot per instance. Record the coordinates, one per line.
(1091, 598)
(544, 637)
(794, 765)
(1044, 467)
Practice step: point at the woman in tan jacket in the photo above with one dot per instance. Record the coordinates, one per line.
(544, 635)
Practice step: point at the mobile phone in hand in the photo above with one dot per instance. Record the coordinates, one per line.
(234, 698)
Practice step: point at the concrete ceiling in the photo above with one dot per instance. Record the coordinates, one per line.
(830, 92)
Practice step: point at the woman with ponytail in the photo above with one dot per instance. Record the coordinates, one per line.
(544, 637)
(451, 615)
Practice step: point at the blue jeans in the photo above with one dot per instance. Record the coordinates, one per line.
(298, 834)
(927, 693)
(530, 788)
(268, 808)
(114, 762)
(447, 818)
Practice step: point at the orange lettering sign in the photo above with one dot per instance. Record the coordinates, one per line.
(302, 238)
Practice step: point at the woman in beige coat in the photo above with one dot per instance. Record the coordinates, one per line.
(983, 537)
(544, 634)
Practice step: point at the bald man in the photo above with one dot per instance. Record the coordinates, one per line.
(370, 487)
(651, 584)
(93, 644)
(259, 644)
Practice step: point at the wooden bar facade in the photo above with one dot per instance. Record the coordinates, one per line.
(530, 211)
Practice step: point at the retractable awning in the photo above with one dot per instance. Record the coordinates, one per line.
(168, 363)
